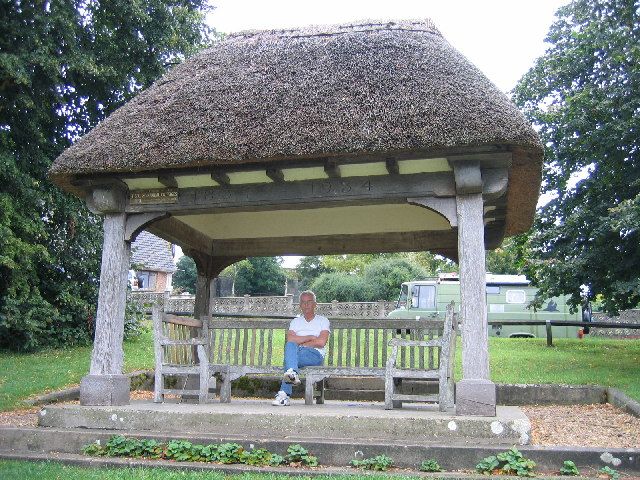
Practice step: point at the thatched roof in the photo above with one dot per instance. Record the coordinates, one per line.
(357, 89)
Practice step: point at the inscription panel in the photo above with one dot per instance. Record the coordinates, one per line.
(154, 196)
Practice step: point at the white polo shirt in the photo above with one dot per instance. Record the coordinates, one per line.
(300, 326)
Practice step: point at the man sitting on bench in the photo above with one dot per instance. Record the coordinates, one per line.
(308, 334)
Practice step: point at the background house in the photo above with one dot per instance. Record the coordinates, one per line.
(152, 265)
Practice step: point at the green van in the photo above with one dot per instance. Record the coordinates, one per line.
(508, 297)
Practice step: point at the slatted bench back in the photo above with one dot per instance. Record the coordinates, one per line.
(364, 343)
(353, 343)
(249, 341)
(174, 336)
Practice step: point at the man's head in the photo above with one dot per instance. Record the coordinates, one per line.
(308, 304)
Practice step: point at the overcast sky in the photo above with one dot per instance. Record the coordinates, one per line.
(501, 37)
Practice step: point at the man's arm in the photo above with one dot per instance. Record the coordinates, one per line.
(299, 339)
(317, 342)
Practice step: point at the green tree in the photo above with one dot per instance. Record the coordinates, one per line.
(186, 275)
(584, 97)
(259, 276)
(309, 268)
(384, 276)
(511, 257)
(64, 66)
(341, 286)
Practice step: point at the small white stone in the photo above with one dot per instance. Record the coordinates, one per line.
(606, 457)
(97, 442)
(121, 419)
(497, 428)
(358, 454)
(616, 462)
(251, 446)
(43, 412)
(452, 425)
(114, 417)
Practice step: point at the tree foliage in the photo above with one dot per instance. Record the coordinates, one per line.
(584, 96)
(64, 66)
(385, 276)
(186, 275)
(341, 286)
(259, 276)
(379, 280)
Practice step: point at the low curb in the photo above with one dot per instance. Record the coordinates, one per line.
(68, 442)
(506, 394)
(93, 462)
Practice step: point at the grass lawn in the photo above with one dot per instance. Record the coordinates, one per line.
(598, 361)
(16, 470)
(23, 375)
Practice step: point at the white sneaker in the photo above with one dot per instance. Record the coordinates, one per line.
(291, 376)
(281, 400)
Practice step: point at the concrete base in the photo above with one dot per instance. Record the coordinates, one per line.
(59, 444)
(333, 420)
(476, 397)
(105, 390)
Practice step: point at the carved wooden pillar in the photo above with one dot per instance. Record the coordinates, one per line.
(475, 393)
(208, 268)
(105, 384)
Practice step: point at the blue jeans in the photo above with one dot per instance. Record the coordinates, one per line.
(295, 357)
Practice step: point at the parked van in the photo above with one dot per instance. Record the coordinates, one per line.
(508, 297)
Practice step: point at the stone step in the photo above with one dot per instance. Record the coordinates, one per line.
(28, 443)
(337, 420)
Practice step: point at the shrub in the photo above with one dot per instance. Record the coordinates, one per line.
(299, 454)
(430, 466)
(508, 462)
(379, 463)
(384, 277)
(342, 287)
(569, 468)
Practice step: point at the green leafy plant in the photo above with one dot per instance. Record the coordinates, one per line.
(379, 463)
(276, 460)
(430, 465)
(569, 468)
(93, 449)
(297, 454)
(508, 462)
(179, 450)
(610, 472)
(230, 453)
(257, 457)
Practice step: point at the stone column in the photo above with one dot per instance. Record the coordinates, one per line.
(475, 393)
(105, 384)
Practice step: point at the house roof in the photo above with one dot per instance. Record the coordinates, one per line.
(149, 252)
(356, 89)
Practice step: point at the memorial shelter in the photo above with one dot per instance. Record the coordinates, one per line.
(364, 137)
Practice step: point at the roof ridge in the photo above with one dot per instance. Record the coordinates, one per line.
(415, 25)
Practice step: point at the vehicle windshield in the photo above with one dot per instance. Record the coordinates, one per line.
(423, 296)
(402, 299)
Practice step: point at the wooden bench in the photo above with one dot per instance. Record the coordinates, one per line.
(241, 344)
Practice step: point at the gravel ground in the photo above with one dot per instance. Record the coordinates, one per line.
(599, 425)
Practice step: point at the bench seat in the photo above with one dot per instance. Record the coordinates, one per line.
(236, 345)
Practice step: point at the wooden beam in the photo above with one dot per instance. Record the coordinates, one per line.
(168, 181)
(332, 169)
(275, 174)
(181, 234)
(392, 166)
(220, 177)
(333, 191)
(338, 244)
